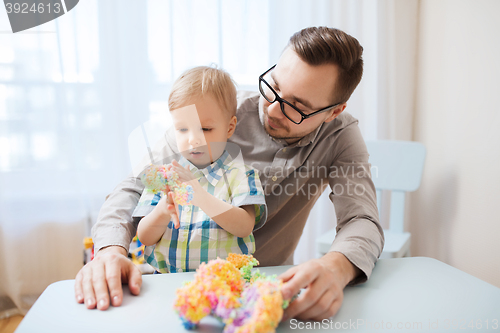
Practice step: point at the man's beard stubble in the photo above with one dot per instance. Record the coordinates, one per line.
(263, 114)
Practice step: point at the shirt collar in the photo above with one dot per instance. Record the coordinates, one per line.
(309, 137)
(213, 172)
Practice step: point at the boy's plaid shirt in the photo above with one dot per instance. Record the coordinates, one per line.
(199, 238)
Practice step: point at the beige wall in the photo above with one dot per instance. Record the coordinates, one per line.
(455, 215)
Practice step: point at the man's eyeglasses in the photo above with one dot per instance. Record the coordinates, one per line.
(291, 112)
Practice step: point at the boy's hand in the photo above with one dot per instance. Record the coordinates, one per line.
(187, 177)
(169, 208)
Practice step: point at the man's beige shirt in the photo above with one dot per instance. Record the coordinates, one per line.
(293, 177)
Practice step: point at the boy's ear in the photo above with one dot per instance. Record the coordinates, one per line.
(232, 126)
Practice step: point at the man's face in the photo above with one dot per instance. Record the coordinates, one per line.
(309, 88)
(202, 129)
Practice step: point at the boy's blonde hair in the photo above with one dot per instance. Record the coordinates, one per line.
(199, 81)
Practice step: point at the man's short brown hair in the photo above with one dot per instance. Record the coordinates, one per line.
(200, 81)
(323, 45)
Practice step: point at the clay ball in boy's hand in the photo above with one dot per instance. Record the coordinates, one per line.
(156, 178)
(153, 178)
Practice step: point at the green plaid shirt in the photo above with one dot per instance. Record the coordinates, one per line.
(199, 239)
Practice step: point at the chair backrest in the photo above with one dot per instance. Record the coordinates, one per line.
(396, 166)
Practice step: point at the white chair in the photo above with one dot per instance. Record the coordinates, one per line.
(396, 166)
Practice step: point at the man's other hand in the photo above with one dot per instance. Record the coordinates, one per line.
(324, 281)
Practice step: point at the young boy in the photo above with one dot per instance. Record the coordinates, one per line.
(228, 200)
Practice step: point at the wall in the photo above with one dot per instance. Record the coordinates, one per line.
(454, 215)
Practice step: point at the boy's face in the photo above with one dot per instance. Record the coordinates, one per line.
(202, 129)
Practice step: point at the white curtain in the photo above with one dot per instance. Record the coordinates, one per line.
(74, 89)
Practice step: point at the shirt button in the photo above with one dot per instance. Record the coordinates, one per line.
(284, 150)
(274, 178)
(187, 208)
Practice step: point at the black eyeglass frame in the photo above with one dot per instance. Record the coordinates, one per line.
(281, 100)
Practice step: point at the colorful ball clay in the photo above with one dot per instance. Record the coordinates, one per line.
(220, 289)
(153, 178)
(261, 308)
(157, 177)
(183, 194)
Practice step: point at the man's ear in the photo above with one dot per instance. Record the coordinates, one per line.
(336, 112)
(232, 126)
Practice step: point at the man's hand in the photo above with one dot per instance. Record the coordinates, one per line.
(102, 278)
(324, 281)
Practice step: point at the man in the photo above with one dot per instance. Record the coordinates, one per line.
(295, 134)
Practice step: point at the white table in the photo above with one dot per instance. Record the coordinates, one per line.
(406, 294)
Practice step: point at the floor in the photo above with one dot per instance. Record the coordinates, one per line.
(10, 324)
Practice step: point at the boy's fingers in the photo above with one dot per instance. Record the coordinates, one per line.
(171, 210)
(170, 198)
(174, 216)
(175, 204)
(180, 171)
(175, 219)
(174, 209)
